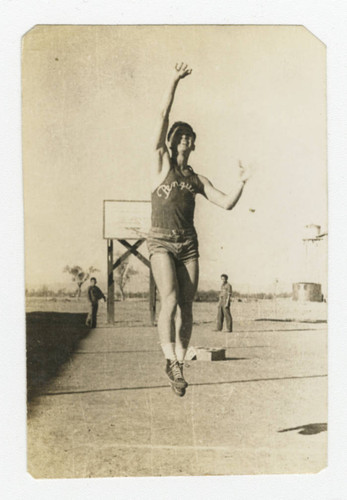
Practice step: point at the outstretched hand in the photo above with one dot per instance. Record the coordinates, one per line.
(244, 172)
(182, 70)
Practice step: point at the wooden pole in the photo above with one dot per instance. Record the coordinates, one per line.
(110, 283)
(152, 297)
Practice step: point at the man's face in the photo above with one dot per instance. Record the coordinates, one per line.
(183, 140)
(93, 282)
(223, 278)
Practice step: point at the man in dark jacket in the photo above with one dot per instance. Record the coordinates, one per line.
(94, 295)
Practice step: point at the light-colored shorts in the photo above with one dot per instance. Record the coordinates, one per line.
(182, 244)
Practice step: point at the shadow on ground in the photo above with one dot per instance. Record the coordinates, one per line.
(51, 339)
(308, 429)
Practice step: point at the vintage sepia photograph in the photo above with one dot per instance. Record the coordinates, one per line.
(176, 235)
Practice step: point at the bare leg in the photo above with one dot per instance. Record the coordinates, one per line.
(175, 283)
(188, 276)
(164, 272)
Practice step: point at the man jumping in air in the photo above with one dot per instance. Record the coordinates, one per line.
(172, 241)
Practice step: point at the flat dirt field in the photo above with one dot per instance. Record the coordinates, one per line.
(99, 404)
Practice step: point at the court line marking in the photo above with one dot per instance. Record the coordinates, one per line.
(164, 446)
(65, 393)
(159, 350)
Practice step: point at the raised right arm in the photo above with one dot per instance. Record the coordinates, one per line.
(162, 161)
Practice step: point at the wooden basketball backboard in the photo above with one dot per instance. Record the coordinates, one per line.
(126, 219)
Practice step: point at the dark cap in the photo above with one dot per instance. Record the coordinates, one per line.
(179, 126)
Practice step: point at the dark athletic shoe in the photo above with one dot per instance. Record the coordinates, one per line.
(179, 392)
(174, 372)
(181, 365)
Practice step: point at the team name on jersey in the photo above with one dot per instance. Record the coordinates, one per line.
(166, 189)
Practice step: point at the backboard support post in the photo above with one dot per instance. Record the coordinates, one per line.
(111, 266)
(125, 220)
(152, 297)
(110, 283)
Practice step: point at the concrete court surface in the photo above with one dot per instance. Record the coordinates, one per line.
(111, 412)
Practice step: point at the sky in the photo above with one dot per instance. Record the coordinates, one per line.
(91, 98)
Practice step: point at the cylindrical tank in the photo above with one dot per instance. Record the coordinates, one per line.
(311, 292)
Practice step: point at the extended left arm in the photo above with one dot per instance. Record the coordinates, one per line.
(223, 200)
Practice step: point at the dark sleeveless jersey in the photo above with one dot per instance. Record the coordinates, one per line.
(173, 201)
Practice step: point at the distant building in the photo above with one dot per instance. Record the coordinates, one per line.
(307, 292)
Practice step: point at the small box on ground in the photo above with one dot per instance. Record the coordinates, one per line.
(209, 354)
(190, 354)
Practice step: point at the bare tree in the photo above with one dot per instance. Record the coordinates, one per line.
(122, 275)
(79, 276)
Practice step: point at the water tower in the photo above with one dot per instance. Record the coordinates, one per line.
(314, 265)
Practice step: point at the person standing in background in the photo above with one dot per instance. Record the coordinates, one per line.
(94, 294)
(224, 305)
